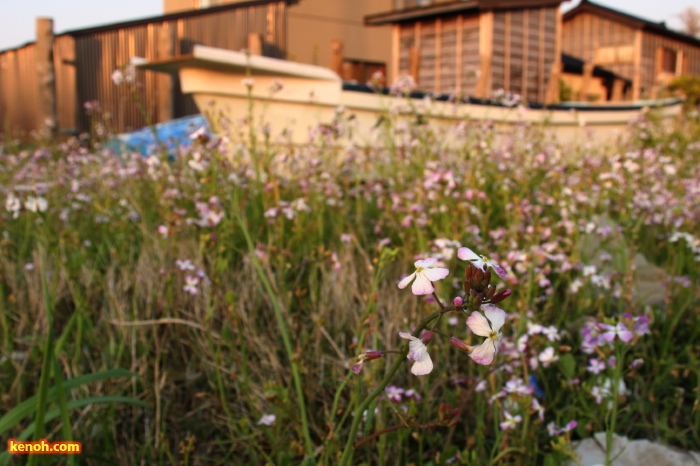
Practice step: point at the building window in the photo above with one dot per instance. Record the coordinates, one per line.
(361, 71)
(406, 4)
(668, 60)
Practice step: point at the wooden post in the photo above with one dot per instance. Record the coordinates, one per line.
(507, 52)
(587, 77)
(483, 88)
(337, 56)
(414, 63)
(255, 44)
(460, 51)
(438, 54)
(637, 80)
(166, 82)
(395, 51)
(553, 88)
(526, 53)
(46, 76)
(618, 90)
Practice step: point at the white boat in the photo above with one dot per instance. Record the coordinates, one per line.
(299, 97)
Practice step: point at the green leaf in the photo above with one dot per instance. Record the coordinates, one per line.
(567, 364)
(29, 406)
(75, 404)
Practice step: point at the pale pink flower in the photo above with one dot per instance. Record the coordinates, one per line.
(424, 276)
(511, 421)
(393, 393)
(191, 286)
(267, 419)
(548, 356)
(480, 262)
(596, 366)
(484, 353)
(418, 352)
(619, 330)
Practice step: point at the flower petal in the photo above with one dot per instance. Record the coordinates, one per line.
(423, 367)
(467, 254)
(496, 315)
(499, 271)
(407, 336)
(418, 351)
(478, 324)
(425, 262)
(484, 353)
(436, 274)
(404, 283)
(422, 286)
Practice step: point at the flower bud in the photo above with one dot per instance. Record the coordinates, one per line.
(467, 287)
(458, 302)
(500, 296)
(477, 301)
(456, 342)
(426, 336)
(454, 413)
(468, 272)
(369, 355)
(477, 276)
(487, 276)
(491, 291)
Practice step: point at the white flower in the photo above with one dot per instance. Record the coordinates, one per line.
(36, 204)
(484, 353)
(191, 286)
(479, 262)
(13, 204)
(547, 356)
(424, 276)
(418, 352)
(117, 77)
(267, 419)
(511, 421)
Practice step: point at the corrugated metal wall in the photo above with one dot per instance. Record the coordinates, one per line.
(85, 61)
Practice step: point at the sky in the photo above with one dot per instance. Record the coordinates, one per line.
(17, 21)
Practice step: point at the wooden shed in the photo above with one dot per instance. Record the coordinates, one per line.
(477, 47)
(644, 52)
(82, 62)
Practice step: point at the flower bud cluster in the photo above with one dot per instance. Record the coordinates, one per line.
(479, 290)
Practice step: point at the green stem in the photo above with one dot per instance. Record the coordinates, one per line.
(46, 367)
(349, 446)
(286, 338)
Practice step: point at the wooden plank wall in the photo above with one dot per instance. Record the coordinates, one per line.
(649, 62)
(85, 62)
(584, 33)
(19, 103)
(524, 51)
(448, 53)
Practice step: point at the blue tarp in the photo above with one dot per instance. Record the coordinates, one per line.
(173, 134)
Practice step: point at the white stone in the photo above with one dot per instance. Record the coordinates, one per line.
(591, 452)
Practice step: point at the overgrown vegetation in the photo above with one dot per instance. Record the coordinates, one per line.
(224, 275)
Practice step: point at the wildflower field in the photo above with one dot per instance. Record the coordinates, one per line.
(247, 301)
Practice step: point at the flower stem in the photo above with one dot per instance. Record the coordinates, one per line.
(346, 458)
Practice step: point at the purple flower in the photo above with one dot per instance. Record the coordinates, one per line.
(393, 393)
(596, 366)
(612, 331)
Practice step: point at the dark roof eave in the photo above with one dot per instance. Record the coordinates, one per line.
(633, 21)
(462, 6)
(172, 16)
